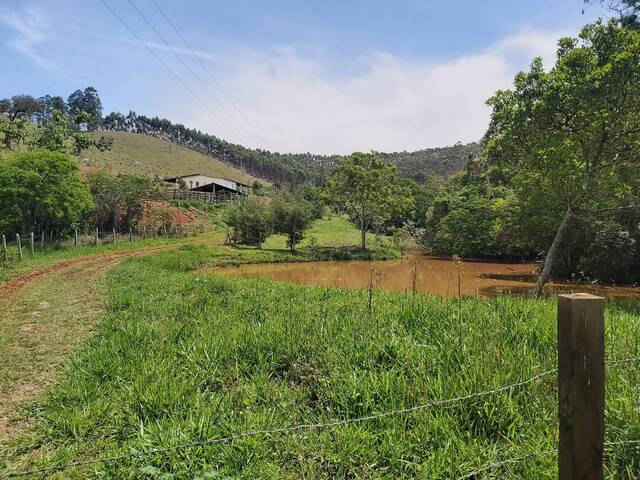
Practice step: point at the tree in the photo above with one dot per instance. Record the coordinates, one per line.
(291, 217)
(368, 190)
(16, 111)
(251, 222)
(120, 199)
(572, 133)
(58, 136)
(92, 105)
(627, 10)
(40, 190)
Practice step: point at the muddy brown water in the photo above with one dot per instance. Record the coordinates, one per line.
(435, 276)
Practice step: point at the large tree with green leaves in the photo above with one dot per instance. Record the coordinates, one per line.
(14, 113)
(571, 135)
(368, 190)
(291, 216)
(41, 190)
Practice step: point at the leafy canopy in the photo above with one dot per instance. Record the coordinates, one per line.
(368, 190)
(41, 189)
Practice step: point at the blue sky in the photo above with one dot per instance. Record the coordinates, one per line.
(330, 76)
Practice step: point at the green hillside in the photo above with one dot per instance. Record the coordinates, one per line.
(143, 154)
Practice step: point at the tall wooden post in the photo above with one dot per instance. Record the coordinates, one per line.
(114, 235)
(19, 245)
(4, 247)
(32, 244)
(75, 237)
(581, 386)
(97, 236)
(130, 235)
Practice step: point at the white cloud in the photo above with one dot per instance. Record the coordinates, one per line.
(301, 104)
(30, 26)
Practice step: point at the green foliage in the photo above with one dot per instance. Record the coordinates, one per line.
(183, 357)
(119, 199)
(40, 190)
(291, 216)
(251, 222)
(58, 136)
(14, 131)
(368, 190)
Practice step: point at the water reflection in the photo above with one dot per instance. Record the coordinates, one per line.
(423, 273)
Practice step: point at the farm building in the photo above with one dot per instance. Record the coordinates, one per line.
(205, 188)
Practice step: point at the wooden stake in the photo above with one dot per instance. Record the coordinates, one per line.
(19, 245)
(581, 386)
(130, 235)
(114, 236)
(97, 236)
(75, 237)
(4, 247)
(32, 244)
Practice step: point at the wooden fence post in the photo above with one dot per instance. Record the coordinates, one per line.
(32, 246)
(130, 235)
(581, 386)
(75, 237)
(19, 245)
(114, 235)
(4, 247)
(97, 236)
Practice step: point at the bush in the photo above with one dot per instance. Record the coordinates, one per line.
(41, 190)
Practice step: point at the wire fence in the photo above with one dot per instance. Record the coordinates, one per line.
(340, 423)
(31, 244)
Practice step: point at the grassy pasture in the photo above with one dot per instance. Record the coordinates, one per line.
(181, 357)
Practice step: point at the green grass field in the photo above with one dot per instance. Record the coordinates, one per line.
(182, 357)
(142, 154)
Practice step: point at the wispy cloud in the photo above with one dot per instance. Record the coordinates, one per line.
(389, 104)
(31, 27)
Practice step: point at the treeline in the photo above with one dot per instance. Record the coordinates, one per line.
(289, 168)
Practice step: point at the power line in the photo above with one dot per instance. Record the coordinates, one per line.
(202, 64)
(186, 65)
(157, 57)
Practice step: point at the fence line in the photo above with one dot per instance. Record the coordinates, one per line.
(292, 428)
(337, 423)
(14, 251)
(492, 466)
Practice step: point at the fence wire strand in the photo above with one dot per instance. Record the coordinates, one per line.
(337, 423)
(293, 428)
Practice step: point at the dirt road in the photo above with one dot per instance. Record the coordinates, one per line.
(44, 314)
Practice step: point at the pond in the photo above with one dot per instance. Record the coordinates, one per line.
(431, 275)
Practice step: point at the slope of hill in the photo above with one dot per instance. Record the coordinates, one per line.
(144, 154)
(287, 167)
(442, 161)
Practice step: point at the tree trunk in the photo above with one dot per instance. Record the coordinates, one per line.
(363, 237)
(552, 253)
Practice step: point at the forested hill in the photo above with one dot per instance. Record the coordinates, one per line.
(287, 167)
(441, 161)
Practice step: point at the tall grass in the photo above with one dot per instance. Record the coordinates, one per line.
(182, 357)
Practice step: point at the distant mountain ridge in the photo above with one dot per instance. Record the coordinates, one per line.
(288, 167)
